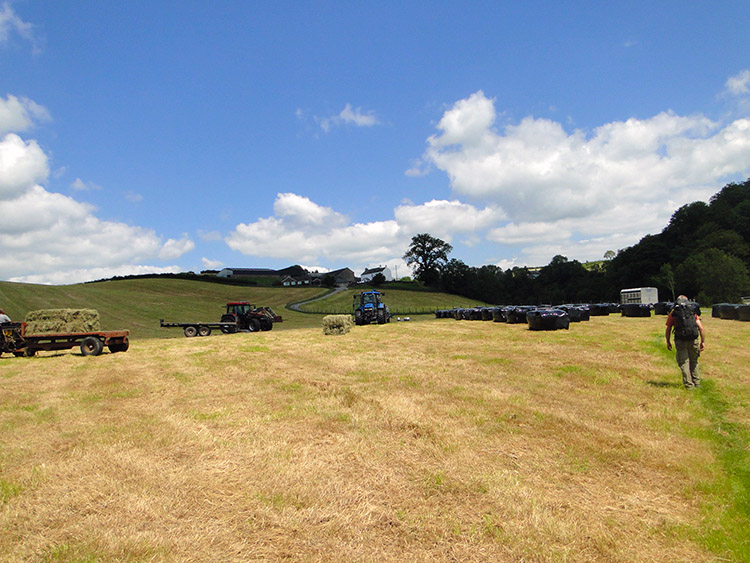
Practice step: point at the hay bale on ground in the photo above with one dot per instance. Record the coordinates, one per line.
(46, 321)
(337, 324)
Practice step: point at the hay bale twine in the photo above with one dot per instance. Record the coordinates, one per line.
(46, 321)
(337, 324)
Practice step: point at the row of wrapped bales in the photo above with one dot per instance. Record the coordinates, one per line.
(48, 321)
(731, 311)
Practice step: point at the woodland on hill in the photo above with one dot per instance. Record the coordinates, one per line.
(704, 253)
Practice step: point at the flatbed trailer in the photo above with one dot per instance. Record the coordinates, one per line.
(201, 328)
(15, 340)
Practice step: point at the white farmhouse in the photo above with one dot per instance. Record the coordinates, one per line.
(370, 273)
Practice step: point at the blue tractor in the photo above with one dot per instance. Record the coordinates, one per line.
(369, 308)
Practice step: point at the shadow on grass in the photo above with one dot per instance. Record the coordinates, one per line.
(664, 384)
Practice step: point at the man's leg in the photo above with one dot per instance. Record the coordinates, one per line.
(694, 351)
(683, 360)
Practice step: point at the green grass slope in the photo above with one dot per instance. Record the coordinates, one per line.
(138, 304)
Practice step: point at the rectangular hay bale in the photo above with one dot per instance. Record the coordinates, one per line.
(337, 324)
(45, 321)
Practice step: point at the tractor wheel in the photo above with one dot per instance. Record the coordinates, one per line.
(381, 317)
(204, 331)
(358, 317)
(266, 324)
(121, 346)
(91, 346)
(253, 325)
(190, 331)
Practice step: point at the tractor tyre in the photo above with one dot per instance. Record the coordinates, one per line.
(253, 325)
(358, 317)
(91, 346)
(204, 331)
(190, 331)
(381, 317)
(266, 324)
(120, 346)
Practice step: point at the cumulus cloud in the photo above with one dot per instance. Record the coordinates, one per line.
(739, 85)
(446, 218)
(209, 264)
(22, 164)
(615, 183)
(304, 231)
(48, 237)
(347, 116)
(19, 114)
(81, 186)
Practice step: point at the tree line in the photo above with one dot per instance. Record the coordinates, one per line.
(704, 253)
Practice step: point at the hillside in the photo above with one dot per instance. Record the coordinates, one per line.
(138, 304)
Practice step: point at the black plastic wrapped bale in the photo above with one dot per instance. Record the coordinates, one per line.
(729, 311)
(599, 310)
(548, 319)
(486, 313)
(498, 315)
(743, 313)
(635, 310)
(663, 307)
(517, 315)
(716, 310)
(615, 308)
(576, 313)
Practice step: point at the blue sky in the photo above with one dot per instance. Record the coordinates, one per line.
(176, 136)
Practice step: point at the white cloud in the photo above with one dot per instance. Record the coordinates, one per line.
(81, 186)
(10, 22)
(209, 264)
(22, 164)
(173, 249)
(616, 184)
(19, 114)
(77, 276)
(443, 219)
(739, 84)
(299, 210)
(133, 197)
(347, 116)
(48, 237)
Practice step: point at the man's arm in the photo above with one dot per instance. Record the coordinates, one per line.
(668, 336)
(701, 331)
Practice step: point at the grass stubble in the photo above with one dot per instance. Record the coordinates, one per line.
(439, 440)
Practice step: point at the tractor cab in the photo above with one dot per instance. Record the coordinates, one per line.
(240, 308)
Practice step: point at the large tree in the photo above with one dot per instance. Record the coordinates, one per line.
(427, 255)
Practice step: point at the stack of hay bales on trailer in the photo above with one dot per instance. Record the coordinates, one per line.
(48, 321)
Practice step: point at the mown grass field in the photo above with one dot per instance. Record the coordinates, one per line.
(439, 440)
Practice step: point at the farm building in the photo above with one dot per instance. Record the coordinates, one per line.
(370, 273)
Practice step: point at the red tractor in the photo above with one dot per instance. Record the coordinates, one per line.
(248, 317)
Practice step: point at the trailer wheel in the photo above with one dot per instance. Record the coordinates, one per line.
(29, 352)
(121, 346)
(204, 331)
(91, 346)
(190, 331)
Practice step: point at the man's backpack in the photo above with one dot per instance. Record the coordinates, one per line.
(685, 327)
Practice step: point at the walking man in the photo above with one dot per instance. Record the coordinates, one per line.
(687, 327)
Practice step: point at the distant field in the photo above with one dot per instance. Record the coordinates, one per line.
(138, 304)
(438, 440)
(399, 301)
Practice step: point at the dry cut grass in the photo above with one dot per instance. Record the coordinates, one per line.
(431, 441)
